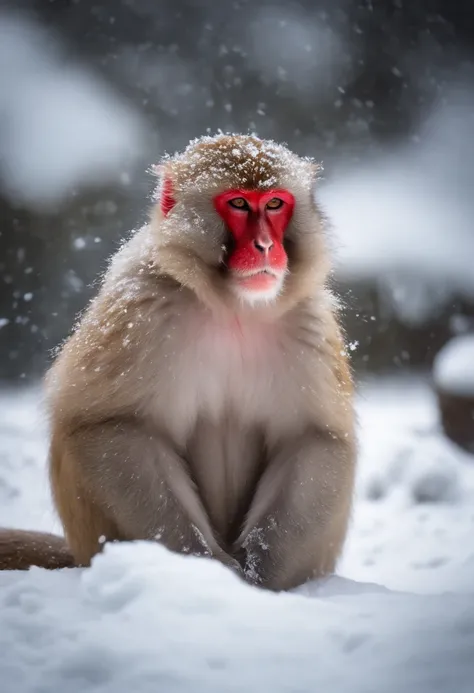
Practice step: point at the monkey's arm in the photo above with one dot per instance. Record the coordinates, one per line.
(296, 525)
(118, 480)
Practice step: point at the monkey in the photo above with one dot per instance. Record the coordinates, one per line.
(204, 399)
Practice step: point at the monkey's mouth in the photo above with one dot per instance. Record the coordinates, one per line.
(264, 280)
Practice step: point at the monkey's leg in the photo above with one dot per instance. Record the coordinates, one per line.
(120, 481)
(297, 522)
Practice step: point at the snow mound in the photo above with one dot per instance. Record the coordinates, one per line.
(143, 619)
(428, 235)
(403, 219)
(424, 469)
(453, 368)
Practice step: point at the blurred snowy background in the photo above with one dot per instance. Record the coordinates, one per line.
(381, 91)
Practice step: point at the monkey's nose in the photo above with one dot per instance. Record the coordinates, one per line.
(263, 245)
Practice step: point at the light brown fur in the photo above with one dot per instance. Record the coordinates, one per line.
(182, 415)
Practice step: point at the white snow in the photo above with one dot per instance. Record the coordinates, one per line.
(389, 218)
(61, 125)
(405, 217)
(296, 50)
(398, 617)
(79, 243)
(453, 368)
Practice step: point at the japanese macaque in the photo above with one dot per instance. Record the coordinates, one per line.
(204, 399)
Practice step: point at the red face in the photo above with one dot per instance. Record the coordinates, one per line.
(257, 222)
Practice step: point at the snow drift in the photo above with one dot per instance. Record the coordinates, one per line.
(143, 620)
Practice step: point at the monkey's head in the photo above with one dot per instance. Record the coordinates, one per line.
(237, 214)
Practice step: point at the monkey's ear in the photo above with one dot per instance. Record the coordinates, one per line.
(164, 191)
(167, 200)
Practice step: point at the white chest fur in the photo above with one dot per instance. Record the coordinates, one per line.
(237, 367)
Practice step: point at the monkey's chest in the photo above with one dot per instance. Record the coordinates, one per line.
(237, 371)
(230, 393)
(226, 460)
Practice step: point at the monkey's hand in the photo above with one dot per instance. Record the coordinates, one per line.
(297, 522)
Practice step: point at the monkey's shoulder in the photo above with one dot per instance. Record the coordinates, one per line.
(107, 353)
(153, 346)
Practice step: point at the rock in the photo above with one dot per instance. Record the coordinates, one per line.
(457, 418)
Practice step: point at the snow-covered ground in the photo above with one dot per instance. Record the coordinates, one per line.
(399, 617)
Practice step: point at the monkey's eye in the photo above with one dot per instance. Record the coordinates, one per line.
(239, 203)
(274, 203)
